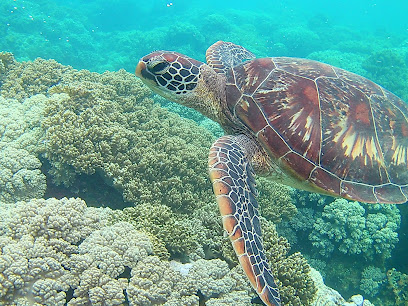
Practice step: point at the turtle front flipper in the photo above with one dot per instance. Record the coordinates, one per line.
(234, 186)
(224, 55)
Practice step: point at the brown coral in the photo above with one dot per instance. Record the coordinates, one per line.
(108, 124)
(275, 200)
(26, 79)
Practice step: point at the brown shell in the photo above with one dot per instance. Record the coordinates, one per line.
(344, 134)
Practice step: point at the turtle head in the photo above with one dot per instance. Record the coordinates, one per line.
(181, 79)
(169, 74)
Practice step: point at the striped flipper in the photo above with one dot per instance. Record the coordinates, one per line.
(234, 186)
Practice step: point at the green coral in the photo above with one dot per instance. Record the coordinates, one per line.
(275, 200)
(174, 234)
(389, 68)
(108, 124)
(398, 282)
(372, 280)
(292, 270)
(350, 228)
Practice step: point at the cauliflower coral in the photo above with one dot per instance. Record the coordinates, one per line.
(37, 239)
(353, 229)
(51, 247)
(20, 146)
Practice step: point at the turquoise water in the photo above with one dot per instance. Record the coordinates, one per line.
(103, 36)
(369, 38)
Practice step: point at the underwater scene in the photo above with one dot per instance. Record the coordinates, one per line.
(125, 174)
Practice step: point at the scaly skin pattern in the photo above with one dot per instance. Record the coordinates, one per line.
(301, 122)
(234, 187)
(331, 130)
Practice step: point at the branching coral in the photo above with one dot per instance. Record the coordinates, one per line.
(26, 79)
(172, 234)
(154, 282)
(398, 282)
(292, 270)
(352, 229)
(372, 280)
(103, 257)
(275, 200)
(107, 124)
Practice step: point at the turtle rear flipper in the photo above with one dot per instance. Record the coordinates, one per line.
(234, 186)
(224, 55)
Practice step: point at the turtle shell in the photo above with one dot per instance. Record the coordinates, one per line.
(339, 132)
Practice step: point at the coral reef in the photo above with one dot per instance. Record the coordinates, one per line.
(101, 260)
(352, 229)
(20, 176)
(326, 296)
(298, 40)
(346, 60)
(174, 234)
(49, 247)
(292, 271)
(354, 236)
(372, 280)
(26, 79)
(275, 200)
(20, 146)
(153, 282)
(107, 124)
(389, 68)
(398, 282)
(37, 239)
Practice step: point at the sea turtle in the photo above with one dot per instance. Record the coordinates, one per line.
(296, 121)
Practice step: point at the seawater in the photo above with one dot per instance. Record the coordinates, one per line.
(366, 37)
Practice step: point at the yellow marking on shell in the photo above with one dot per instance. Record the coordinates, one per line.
(357, 149)
(308, 128)
(254, 80)
(294, 124)
(293, 121)
(245, 105)
(349, 141)
(356, 145)
(400, 156)
(343, 125)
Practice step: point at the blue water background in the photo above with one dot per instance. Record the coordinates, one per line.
(109, 35)
(366, 37)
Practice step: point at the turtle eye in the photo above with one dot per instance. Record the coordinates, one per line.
(158, 67)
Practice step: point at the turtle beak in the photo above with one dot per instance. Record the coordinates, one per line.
(139, 68)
